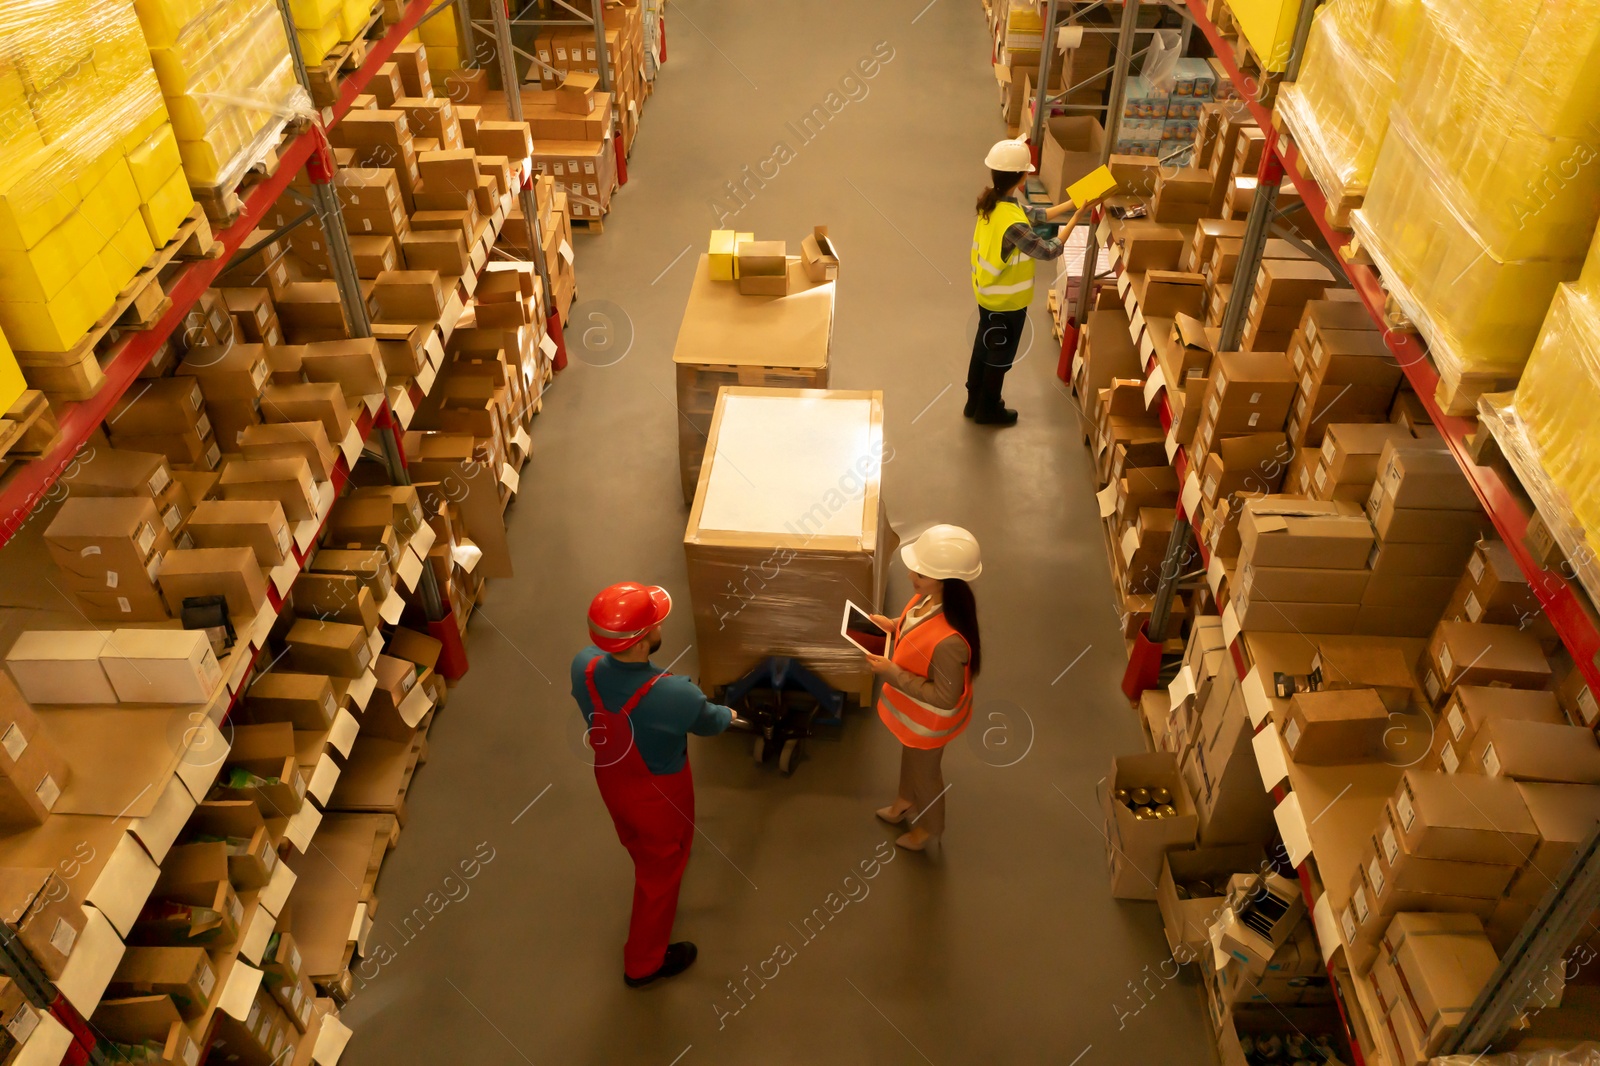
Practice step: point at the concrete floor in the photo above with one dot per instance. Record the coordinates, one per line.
(1004, 948)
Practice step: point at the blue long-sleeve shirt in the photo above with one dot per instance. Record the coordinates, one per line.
(671, 710)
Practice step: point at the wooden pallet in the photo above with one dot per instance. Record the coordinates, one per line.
(1341, 200)
(223, 203)
(1250, 65)
(595, 226)
(76, 374)
(27, 429)
(327, 77)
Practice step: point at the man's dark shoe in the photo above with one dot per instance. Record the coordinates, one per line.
(1000, 416)
(680, 957)
(971, 408)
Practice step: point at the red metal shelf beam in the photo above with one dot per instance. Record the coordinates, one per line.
(30, 484)
(1501, 498)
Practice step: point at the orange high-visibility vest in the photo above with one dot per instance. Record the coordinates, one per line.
(917, 724)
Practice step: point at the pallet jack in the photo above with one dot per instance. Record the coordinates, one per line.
(783, 701)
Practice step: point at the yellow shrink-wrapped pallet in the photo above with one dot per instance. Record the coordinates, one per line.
(1486, 190)
(229, 82)
(1551, 433)
(87, 166)
(443, 41)
(11, 384)
(1338, 108)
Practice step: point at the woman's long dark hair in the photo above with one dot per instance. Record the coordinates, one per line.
(961, 611)
(1001, 182)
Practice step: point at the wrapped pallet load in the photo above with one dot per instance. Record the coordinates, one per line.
(1338, 108)
(89, 172)
(1482, 199)
(228, 79)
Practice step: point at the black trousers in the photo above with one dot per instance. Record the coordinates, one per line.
(993, 351)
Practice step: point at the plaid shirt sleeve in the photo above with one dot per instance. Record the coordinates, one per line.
(1022, 238)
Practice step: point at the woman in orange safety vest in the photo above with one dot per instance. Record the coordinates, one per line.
(926, 697)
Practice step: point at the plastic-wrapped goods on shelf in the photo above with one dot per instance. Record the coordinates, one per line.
(1479, 307)
(225, 70)
(322, 24)
(1589, 281)
(1555, 402)
(1585, 1054)
(89, 174)
(1485, 192)
(1339, 105)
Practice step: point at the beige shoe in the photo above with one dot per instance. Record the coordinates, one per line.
(916, 840)
(888, 813)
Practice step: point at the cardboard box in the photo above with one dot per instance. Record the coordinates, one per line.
(259, 525)
(310, 402)
(1136, 847)
(1252, 464)
(267, 772)
(152, 1021)
(284, 440)
(1443, 961)
(1426, 478)
(1471, 653)
(819, 256)
(1203, 875)
(232, 572)
(1523, 750)
(762, 268)
(307, 701)
(185, 974)
(1471, 706)
(1151, 246)
(1564, 815)
(1299, 584)
(1072, 149)
(60, 666)
(286, 480)
(1250, 392)
(252, 853)
(1463, 817)
(1336, 726)
(1393, 869)
(1263, 910)
(161, 665)
(332, 648)
(1282, 531)
(38, 906)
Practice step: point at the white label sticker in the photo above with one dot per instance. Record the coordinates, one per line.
(1408, 813)
(1391, 846)
(1431, 683)
(1456, 720)
(123, 605)
(13, 741)
(1359, 901)
(48, 792)
(1475, 567)
(1446, 663)
(1375, 876)
(22, 1026)
(1449, 759)
(63, 936)
(1472, 608)
(1491, 761)
(1292, 734)
(112, 579)
(145, 538)
(1348, 922)
(191, 1053)
(1587, 706)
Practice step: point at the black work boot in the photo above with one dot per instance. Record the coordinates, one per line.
(680, 956)
(992, 410)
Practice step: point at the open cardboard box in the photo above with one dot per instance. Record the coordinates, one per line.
(1137, 847)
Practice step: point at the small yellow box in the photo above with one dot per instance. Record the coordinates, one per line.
(127, 252)
(58, 324)
(147, 127)
(111, 201)
(164, 212)
(724, 243)
(155, 161)
(444, 57)
(35, 197)
(438, 33)
(317, 43)
(1269, 27)
(40, 272)
(12, 385)
(311, 14)
(353, 15)
(163, 20)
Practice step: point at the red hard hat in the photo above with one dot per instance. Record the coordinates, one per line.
(621, 615)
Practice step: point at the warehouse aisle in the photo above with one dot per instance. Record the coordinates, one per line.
(498, 938)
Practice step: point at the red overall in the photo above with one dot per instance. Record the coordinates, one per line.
(654, 816)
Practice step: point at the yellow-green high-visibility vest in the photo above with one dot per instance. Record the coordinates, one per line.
(998, 284)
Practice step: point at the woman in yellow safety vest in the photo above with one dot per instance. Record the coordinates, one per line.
(926, 697)
(1004, 246)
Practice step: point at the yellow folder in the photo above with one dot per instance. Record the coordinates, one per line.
(1086, 190)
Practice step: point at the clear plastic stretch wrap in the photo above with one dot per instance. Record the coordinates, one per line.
(225, 69)
(89, 172)
(1339, 105)
(322, 24)
(787, 525)
(1485, 193)
(1547, 430)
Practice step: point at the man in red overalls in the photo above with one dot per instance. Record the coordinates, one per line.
(639, 719)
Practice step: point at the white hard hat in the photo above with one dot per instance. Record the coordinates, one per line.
(1012, 156)
(944, 552)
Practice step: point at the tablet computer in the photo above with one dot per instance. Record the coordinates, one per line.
(859, 629)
